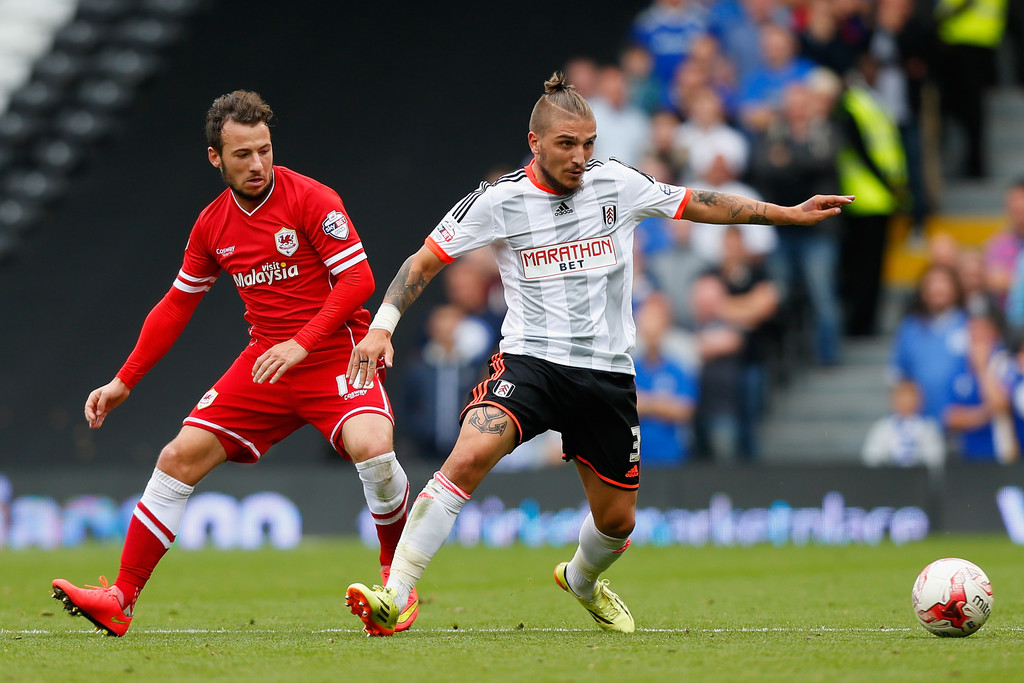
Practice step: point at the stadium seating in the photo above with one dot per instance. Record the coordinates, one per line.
(68, 70)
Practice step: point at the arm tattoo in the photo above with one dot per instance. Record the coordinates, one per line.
(489, 420)
(406, 287)
(738, 209)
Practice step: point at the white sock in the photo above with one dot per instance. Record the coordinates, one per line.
(164, 499)
(385, 487)
(594, 555)
(430, 521)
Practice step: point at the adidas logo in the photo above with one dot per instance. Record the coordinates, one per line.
(633, 472)
(563, 209)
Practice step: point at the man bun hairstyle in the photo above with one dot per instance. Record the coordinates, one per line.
(560, 98)
(241, 106)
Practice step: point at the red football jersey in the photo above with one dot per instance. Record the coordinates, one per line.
(283, 256)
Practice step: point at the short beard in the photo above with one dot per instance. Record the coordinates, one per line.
(557, 186)
(249, 196)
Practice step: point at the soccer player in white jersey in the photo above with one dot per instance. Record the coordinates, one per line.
(562, 232)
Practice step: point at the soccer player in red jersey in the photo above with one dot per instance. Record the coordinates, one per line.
(299, 266)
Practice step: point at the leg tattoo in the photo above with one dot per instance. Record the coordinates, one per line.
(489, 420)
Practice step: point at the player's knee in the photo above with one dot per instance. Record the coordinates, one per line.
(368, 448)
(366, 436)
(174, 461)
(616, 523)
(183, 462)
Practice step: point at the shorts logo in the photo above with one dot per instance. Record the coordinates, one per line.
(608, 211)
(336, 225)
(446, 230)
(343, 388)
(207, 400)
(503, 388)
(568, 257)
(286, 241)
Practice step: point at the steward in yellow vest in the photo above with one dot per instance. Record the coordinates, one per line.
(971, 22)
(872, 164)
(969, 33)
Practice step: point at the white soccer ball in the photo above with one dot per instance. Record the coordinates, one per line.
(952, 597)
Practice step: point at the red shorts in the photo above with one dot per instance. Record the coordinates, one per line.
(249, 418)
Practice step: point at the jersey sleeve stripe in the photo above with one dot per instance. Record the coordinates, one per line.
(682, 204)
(345, 265)
(345, 253)
(438, 251)
(191, 289)
(195, 280)
(460, 211)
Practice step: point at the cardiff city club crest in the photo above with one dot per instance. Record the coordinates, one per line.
(286, 241)
(336, 225)
(208, 398)
(608, 210)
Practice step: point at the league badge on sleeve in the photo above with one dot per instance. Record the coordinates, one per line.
(446, 229)
(286, 241)
(336, 225)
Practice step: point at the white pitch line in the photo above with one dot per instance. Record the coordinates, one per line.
(470, 631)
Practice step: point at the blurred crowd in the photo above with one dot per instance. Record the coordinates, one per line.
(781, 100)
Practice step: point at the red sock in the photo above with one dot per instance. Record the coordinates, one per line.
(144, 545)
(388, 535)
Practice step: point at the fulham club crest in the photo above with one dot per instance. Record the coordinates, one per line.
(608, 210)
(286, 241)
(504, 388)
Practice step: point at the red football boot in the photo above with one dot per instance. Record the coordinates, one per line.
(99, 604)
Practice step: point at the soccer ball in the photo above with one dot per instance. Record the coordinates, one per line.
(952, 597)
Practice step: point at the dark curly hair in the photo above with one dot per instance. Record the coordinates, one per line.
(242, 106)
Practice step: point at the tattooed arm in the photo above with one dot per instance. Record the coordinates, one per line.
(409, 283)
(412, 279)
(706, 206)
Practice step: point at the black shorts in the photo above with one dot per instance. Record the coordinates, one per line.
(595, 411)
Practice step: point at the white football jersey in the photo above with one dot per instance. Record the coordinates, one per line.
(566, 261)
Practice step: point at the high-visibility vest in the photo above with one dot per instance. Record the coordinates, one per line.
(980, 23)
(885, 149)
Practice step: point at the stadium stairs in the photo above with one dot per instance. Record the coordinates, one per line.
(821, 415)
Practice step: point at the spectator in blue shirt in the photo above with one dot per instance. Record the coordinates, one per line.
(761, 91)
(1007, 369)
(737, 25)
(666, 390)
(667, 29)
(972, 416)
(931, 341)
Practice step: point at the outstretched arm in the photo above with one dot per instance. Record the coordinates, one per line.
(410, 281)
(162, 327)
(706, 206)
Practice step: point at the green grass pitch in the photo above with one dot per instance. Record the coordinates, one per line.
(716, 614)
